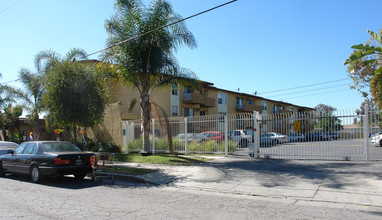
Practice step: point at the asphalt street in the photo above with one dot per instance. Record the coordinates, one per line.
(224, 188)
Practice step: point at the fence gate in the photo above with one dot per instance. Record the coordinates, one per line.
(340, 135)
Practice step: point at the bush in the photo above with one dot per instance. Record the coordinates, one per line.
(209, 146)
(94, 146)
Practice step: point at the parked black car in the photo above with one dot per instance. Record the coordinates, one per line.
(47, 158)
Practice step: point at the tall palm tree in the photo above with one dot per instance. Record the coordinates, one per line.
(33, 97)
(147, 62)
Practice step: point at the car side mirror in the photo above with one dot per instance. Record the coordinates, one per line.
(10, 152)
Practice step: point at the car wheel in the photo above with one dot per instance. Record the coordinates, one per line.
(79, 176)
(274, 142)
(35, 174)
(243, 143)
(380, 143)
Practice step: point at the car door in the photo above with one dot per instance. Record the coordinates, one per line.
(10, 162)
(25, 158)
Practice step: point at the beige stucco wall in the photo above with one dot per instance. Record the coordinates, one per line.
(121, 96)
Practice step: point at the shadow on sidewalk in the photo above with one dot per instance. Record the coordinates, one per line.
(277, 172)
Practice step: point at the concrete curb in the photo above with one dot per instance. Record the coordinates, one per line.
(126, 177)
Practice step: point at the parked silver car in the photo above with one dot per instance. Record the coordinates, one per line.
(273, 138)
(242, 137)
(5, 146)
(376, 140)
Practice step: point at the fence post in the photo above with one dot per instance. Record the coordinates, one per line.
(366, 131)
(256, 123)
(226, 135)
(185, 137)
(153, 134)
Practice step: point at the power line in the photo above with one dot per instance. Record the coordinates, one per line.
(10, 6)
(159, 28)
(280, 90)
(318, 94)
(10, 81)
(140, 35)
(329, 87)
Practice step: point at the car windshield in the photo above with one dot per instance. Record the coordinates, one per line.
(60, 147)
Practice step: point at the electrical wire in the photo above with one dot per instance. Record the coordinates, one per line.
(10, 6)
(140, 35)
(318, 94)
(159, 28)
(280, 90)
(10, 81)
(329, 87)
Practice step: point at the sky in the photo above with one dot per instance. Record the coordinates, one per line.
(262, 46)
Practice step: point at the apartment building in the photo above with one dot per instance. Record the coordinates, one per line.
(182, 101)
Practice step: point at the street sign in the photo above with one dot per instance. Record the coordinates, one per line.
(297, 125)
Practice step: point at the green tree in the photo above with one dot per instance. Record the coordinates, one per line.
(12, 114)
(364, 67)
(8, 95)
(147, 62)
(33, 86)
(75, 93)
(327, 120)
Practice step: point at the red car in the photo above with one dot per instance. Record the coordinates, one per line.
(212, 135)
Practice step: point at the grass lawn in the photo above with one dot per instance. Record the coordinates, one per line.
(159, 159)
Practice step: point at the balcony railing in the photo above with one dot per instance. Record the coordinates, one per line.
(196, 98)
(248, 108)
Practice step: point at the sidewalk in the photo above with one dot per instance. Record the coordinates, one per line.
(346, 183)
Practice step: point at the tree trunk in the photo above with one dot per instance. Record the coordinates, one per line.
(145, 124)
(36, 129)
(75, 134)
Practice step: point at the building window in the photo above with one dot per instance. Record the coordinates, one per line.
(188, 112)
(291, 109)
(202, 113)
(264, 106)
(282, 108)
(174, 89)
(222, 99)
(188, 90)
(174, 111)
(239, 101)
(221, 116)
(250, 102)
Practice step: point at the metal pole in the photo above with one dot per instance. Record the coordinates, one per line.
(366, 131)
(185, 137)
(257, 121)
(153, 134)
(226, 135)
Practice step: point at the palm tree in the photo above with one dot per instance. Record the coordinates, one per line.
(365, 66)
(34, 87)
(147, 62)
(8, 95)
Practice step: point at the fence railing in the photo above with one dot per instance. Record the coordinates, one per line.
(340, 135)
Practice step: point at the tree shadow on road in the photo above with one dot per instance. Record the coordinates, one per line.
(289, 173)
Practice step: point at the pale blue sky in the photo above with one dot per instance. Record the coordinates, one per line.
(253, 45)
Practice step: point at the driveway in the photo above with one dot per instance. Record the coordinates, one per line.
(357, 183)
